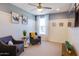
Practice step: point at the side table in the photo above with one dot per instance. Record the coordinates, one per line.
(26, 42)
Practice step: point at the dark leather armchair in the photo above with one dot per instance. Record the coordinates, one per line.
(10, 50)
(34, 40)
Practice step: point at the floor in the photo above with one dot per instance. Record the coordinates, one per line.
(44, 49)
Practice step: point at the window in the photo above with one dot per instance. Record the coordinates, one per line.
(42, 24)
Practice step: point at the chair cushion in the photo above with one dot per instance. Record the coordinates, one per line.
(33, 35)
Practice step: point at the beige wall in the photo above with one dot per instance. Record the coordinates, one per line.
(57, 33)
(8, 28)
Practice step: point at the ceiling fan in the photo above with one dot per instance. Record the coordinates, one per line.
(40, 7)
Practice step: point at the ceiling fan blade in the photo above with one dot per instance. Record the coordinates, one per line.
(47, 7)
(32, 4)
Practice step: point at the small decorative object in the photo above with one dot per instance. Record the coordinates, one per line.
(69, 24)
(69, 51)
(61, 24)
(24, 34)
(24, 20)
(53, 24)
(15, 18)
(24, 38)
(69, 47)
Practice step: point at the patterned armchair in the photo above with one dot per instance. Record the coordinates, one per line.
(34, 38)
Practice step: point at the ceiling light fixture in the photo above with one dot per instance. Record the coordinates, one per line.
(40, 9)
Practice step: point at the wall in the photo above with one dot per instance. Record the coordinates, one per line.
(8, 28)
(57, 33)
(74, 38)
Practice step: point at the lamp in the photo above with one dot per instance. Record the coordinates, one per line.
(39, 7)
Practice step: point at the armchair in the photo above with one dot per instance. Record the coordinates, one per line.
(10, 50)
(34, 39)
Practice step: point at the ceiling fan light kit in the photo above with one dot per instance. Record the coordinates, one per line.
(39, 7)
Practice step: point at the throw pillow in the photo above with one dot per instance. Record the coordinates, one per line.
(10, 43)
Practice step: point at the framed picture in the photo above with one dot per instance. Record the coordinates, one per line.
(15, 18)
(61, 24)
(69, 24)
(24, 20)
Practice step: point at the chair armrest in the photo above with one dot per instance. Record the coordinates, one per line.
(3, 45)
(12, 50)
(11, 46)
(18, 42)
(39, 37)
(7, 48)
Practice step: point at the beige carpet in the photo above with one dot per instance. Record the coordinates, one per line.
(43, 49)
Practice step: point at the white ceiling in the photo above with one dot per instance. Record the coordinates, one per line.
(32, 9)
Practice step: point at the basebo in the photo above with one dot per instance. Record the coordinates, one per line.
(52, 41)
